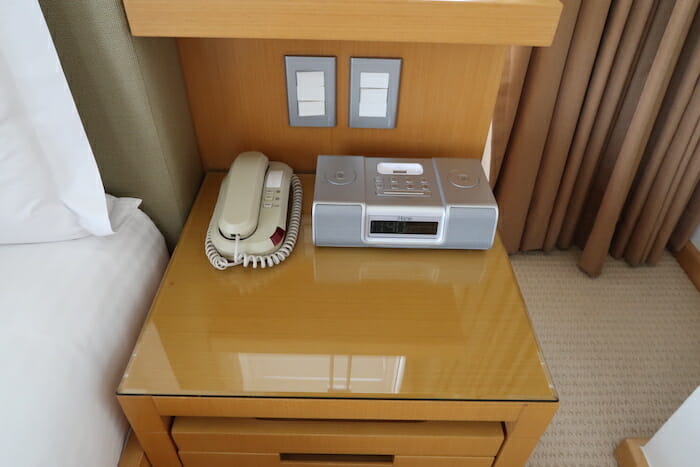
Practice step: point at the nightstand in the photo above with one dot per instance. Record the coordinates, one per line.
(338, 356)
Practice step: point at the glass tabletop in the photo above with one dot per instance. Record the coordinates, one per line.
(338, 323)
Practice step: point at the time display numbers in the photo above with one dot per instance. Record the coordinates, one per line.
(403, 227)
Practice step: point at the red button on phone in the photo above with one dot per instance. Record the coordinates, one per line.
(278, 236)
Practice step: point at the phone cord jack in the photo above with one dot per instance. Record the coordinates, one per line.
(273, 259)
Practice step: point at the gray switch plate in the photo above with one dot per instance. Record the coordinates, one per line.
(374, 65)
(327, 66)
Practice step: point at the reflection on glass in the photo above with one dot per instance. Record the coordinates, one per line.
(266, 372)
(433, 266)
(460, 272)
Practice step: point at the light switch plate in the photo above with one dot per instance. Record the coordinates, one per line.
(310, 109)
(381, 66)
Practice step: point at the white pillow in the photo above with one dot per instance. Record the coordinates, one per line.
(50, 188)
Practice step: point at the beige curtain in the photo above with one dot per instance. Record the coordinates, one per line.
(595, 139)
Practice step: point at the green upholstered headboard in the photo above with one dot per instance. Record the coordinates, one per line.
(131, 98)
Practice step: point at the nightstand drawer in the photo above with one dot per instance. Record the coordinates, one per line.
(228, 459)
(389, 438)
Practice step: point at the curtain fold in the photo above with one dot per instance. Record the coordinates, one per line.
(580, 58)
(626, 53)
(676, 207)
(627, 105)
(587, 119)
(666, 180)
(603, 147)
(636, 138)
(527, 139)
(673, 129)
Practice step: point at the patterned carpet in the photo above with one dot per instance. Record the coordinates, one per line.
(623, 349)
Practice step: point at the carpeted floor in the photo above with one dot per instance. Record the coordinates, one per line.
(623, 349)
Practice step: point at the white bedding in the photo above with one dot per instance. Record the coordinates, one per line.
(69, 315)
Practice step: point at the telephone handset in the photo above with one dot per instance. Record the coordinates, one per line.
(249, 225)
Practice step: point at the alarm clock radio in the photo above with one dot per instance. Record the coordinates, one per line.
(403, 203)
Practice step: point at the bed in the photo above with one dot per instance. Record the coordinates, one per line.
(71, 312)
(77, 275)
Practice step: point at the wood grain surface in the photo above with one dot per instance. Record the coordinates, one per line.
(629, 453)
(689, 259)
(133, 455)
(456, 319)
(229, 459)
(238, 98)
(476, 439)
(253, 338)
(525, 22)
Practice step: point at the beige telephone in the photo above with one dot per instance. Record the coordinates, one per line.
(249, 225)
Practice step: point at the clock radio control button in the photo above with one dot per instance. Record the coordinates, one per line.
(462, 179)
(341, 176)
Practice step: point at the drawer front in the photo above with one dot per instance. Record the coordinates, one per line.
(229, 459)
(450, 439)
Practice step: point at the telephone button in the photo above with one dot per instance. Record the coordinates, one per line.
(267, 205)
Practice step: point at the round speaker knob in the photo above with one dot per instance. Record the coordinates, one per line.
(341, 176)
(463, 178)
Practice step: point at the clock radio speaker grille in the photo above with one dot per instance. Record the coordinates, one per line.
(337, 225)
(471, 226)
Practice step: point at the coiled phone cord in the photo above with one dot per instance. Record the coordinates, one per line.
(273, 259)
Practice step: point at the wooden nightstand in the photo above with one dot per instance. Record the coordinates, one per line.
(349, 357)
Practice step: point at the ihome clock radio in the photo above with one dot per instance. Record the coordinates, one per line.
(403, 203)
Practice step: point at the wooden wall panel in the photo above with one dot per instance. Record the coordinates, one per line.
(238, 100)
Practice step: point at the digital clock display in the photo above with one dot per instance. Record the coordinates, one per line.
(403, 227)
